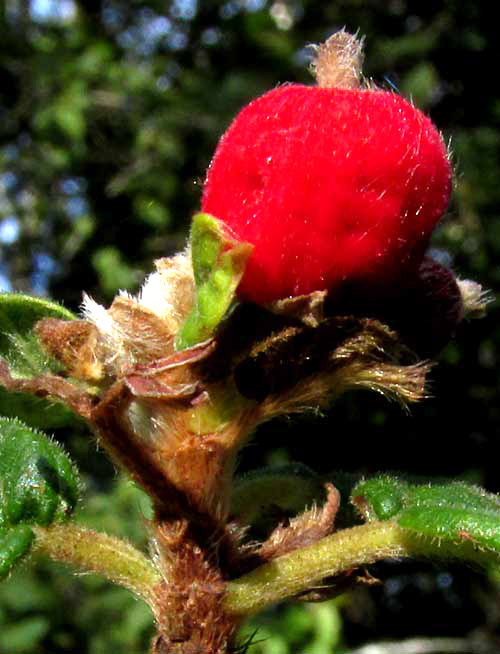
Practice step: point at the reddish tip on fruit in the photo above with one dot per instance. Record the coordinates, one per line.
(330, 185)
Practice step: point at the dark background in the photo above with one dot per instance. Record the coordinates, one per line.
(109, 114)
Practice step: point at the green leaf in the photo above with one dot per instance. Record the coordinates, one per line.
(18, 343)
(314, 628)
(448, 512)
(20, 348)
(219, 261)
(14, 544)
(38, 486)
(289, 488)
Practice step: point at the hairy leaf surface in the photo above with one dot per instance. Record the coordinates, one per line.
(21, 350)
(38, 486)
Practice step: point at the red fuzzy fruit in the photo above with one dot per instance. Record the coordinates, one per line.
(330, 185)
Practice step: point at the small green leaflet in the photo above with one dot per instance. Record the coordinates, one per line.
(20, 348)
(219, 261)
(38, 486)
(452, 512)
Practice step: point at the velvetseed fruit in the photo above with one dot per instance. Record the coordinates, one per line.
(331, 185)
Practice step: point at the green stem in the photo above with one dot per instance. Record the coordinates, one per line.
(342, 551)
(92, 551)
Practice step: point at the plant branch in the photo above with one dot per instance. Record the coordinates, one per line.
(95, 552)
(341, 552)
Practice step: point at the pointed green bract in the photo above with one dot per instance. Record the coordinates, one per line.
(219, 261)
(38, 486)
(449, 512)
(20, 348)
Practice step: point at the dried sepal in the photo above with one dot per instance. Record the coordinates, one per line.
(338, 62)
(293, 353)
(359, 353)
(74, 344)
(169, 377)
(308, 309)
(475, 298)
(302, 530)
(128, 334)
(143, 336)
(169, 292)
(367, 338)
(140, 329)
(402, 384)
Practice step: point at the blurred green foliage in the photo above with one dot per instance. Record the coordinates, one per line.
(44, 608)
(314, 628)
(109, 113)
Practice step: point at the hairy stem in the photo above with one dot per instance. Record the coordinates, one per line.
(92, 551)
(344, 550)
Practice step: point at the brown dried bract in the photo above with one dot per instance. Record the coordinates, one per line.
(73, 343)
(308, 309)
(303, 530)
